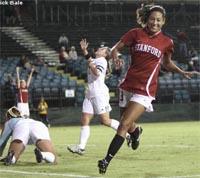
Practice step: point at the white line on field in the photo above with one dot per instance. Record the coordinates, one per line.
(142, 145)
(89, 145)
(81, 176)
(177, 146)
(46, 174)
(188, 176)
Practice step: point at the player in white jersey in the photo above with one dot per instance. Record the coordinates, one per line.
(25, 131)
(97, 96)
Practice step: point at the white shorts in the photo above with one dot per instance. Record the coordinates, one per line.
(125, 97)
(97, 105)
(30, 132)
(24, 109)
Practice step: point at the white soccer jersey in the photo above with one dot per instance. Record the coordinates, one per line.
(26, 130)
(96, 84)
(29, 131)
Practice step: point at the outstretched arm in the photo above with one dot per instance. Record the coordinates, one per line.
(30, 77)
(84, 45)
(5, 135)
(171, 66)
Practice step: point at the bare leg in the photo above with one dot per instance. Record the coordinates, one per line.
(46, 146)
(18, 147)
(131, 114)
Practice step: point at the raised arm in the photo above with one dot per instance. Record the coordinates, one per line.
(84, 45)
(18, 79)
(30, 77)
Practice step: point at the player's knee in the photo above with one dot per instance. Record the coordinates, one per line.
(105, 121)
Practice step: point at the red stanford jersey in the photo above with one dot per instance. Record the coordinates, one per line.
(22, 95)
(146, 54)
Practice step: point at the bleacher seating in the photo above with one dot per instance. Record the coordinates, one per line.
(182, 90)
(10, 47)
(49, 84)
(181, 96)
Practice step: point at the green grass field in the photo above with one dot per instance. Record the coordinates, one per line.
(167, 150)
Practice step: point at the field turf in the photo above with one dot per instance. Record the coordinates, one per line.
(167, 150)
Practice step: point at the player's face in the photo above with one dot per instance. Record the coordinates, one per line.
(101, 52)
(155, 22)
(23, 84)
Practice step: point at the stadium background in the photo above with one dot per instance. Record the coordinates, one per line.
(36, 35)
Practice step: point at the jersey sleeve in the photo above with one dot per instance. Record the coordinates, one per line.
(101, 65)
(5, 135)
(129, 38)
(170, 47)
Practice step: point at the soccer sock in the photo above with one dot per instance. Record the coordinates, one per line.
(48, 157)
(84, 136)
(13, 160)
(114, 124)
(115, 145)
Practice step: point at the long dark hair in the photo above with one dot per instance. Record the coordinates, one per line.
(144, 12)
(13, 112)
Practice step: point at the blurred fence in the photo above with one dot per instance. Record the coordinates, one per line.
(162, 113)
(70, 115)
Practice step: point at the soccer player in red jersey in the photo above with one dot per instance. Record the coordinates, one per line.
(149, 48)
(22, 94)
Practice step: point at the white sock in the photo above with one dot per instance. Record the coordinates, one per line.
(13, 160)
(114, 124)
(48, 157)
(84, 136)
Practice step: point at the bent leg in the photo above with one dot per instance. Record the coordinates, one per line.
(131, 114)
(17, 147)
(107, 121)
(47, 150)
(129, 117)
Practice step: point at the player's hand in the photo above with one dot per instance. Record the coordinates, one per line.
(84, 44)
(17, 69)
(189, 75)
(32, 69)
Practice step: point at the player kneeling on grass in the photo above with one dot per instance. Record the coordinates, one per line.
(25, 131)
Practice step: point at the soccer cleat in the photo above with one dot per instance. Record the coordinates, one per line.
(76, 149)
(128, 140)
(38, 155)
(102, 165)
(8, 158)
(135, 137)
